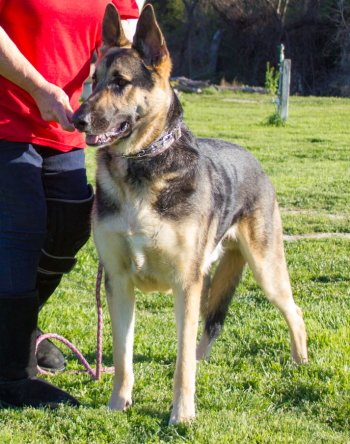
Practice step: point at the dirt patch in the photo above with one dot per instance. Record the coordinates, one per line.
(240, 101)
(296, 237)
(331, 216)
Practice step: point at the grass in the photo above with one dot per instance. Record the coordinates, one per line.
(249, 392)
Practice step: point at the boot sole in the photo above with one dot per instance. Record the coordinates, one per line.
(53, 370)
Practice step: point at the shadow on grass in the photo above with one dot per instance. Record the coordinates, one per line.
(310, 397)
(297, 396)
(330, 279)
(154, 422)
(107, 360)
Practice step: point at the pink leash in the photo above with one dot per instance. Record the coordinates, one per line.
(95, 374)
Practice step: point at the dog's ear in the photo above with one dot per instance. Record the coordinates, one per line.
(149, 41)
(112, 29)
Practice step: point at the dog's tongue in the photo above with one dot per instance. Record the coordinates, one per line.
(91, 139)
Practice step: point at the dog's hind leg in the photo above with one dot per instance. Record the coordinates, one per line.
(216, 302)
(264, 251)
(200, 350)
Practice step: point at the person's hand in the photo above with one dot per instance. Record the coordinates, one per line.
(53, 104)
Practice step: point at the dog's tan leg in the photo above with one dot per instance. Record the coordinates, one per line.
(201, 347)
(221, 291)
(264, 252)
(187, 312)
(121, 304)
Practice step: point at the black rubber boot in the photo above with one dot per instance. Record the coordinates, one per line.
(19, 385)
(49, 357)
(68, 230)
(33, 392)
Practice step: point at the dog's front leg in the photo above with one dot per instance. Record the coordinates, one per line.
(121, 304)
(187, 312)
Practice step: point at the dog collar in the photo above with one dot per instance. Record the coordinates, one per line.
(160, 145)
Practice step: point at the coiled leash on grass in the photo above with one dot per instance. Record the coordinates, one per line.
(96, 374)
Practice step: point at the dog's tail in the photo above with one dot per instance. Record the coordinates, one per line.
(217, 297)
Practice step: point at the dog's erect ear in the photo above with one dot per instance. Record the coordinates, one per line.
(149, 41)
(112, 29)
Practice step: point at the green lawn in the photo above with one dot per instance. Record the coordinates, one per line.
(249, 392)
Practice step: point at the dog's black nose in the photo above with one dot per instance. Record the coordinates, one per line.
(81, 120)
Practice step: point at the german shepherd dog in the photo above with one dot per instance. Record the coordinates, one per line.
(169, 205)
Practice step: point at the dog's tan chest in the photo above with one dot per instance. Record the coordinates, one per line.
(140, 238)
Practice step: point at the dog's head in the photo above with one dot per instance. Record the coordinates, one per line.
(130, 85)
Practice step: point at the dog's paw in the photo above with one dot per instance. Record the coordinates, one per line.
(175, 419)
(182, 415)
(119, 404)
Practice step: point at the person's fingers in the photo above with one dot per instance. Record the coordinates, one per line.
(66, 125)
(54, 106)
(69, 110)
(63, 120)
(69, 114)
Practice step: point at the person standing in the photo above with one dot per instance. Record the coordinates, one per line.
(45, 200)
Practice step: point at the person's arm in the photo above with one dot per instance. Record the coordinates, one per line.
(52, 101)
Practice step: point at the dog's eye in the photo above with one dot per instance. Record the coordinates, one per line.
(121, 82)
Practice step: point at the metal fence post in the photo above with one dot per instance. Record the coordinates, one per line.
(284, 89)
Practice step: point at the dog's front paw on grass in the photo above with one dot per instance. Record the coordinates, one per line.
(119, 404)
(180, 420)
(182, 416)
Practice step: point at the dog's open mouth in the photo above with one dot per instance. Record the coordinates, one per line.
(108, 138)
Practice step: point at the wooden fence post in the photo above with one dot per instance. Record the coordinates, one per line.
(284, 87)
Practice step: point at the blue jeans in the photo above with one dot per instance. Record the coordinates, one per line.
(28, 175)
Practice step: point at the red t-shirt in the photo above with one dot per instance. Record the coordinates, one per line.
(58, 37)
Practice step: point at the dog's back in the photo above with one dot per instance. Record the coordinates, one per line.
(237, 181)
